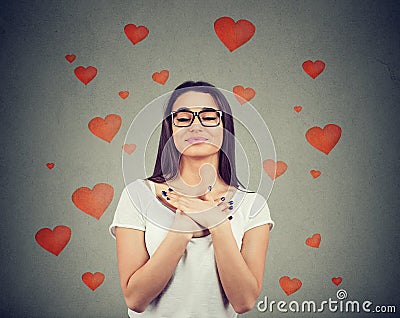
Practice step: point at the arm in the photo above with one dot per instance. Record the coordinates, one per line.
(241, 272)
(142, 278)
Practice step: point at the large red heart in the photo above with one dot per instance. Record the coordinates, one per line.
(288, 285)
(160, 77)
(55, 240)
(274, 169)
(243, 95)
(233, 34)
(313, 69)
(106, 128)
(93, 280)
(85, 74)
(337, 280)
(324, 139)
(93, 202)
(314, 241)
(136, 34)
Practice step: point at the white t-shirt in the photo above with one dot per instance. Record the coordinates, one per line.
(194, 289)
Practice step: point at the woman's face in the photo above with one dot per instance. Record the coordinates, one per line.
(209, 139)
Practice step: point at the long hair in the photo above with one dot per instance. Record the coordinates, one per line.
(168, 167)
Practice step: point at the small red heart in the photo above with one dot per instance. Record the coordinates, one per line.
(160, 77)
(288, 285)
(107, 128)
(324, 139)
(85, 75)
(50, 165)
(129, 148)
(314, 241)
(93, 280)
(123, 94)
(298, 108)
(233, 34)
(315, 173)
(274, 169)
(337, 280)
(313, 69)
(136, 34)
(70, 57)
(93, 202)
(243, 95)
(55, 240)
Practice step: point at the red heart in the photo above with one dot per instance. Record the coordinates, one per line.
(337, 280)
(298, 108)
(93, 280)
(243, 95)
(233, 34)
(160, 77)
(313, 69)
(50, 165)
(123, 94)
(314, 241)
(274, 170)
(55, 240)
(93, 202)
(315, 173)
(70, 57)
(129, 148)
(106, 128)
(85, 75)
(136, 34)
(324, 139)
(288, 285)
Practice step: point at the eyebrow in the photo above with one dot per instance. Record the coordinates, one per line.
(204, 108)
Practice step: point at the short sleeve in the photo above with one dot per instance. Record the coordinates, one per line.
(259, 214)
(127, 214)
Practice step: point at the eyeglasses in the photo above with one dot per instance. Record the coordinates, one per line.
(207, 117)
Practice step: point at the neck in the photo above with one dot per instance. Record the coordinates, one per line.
(190, 167)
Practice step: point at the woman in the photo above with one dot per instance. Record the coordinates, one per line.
(209, 259)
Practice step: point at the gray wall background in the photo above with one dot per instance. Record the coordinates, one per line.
(45, 110)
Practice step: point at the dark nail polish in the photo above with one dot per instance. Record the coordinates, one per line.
(164, 193)
(230, 217)
(168, 198)
(231, 207)
(170, 189)
(230, 202)
(209, 188)
(223, 199)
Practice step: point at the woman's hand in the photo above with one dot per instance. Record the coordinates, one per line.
(203, 210)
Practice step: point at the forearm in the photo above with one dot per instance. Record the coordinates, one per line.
(240, 285)
(148, 281)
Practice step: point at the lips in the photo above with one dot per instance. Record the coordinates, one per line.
(193, 140)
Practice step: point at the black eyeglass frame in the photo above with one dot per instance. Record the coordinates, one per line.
(220, 112)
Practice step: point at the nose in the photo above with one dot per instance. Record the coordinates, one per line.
(196, 123)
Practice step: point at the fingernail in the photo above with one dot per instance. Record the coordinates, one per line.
(209, 188)
(223, 199)
(231, 207)
(164, 193)
(170, 189)
(168, 198)
(230, 217)
(230, 202)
